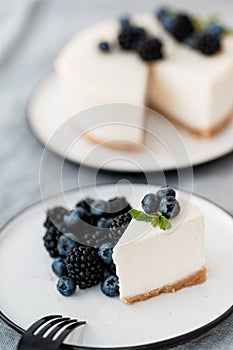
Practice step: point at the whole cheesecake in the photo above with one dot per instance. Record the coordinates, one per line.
(186, 86)
(150, 261)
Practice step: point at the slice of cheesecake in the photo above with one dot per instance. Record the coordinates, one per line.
(150, 261)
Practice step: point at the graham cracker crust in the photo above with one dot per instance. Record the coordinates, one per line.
(191, 280)
(203, 133)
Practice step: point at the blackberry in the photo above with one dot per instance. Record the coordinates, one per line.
(51, 238)
(130, 36)
(55, 218)
(150, 49)
(209, 44)
(118, 227)
(118, 206)
(85, 267)
(180, 26)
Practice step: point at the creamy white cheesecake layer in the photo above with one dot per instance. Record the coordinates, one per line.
(148, 258)
(186, 85)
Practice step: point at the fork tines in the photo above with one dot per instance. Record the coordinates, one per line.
(51, 329)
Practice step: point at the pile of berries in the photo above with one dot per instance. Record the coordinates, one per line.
(131, 37)
(205, 38)
(81, 242)
(163, 201)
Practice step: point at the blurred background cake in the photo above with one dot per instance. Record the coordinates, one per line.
(170, 61)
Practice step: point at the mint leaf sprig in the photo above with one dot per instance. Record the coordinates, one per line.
(156, 219)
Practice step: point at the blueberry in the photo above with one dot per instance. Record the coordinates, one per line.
(104, 222)
(162, 14)
(59, 267)
(105, 253)
(110, 286)
(104, 46)
(66, 244)
(75, 216)
(125, 22)
(150, 203)
(169, 22)
(165, 191)
(98, 207)
(66, 286)
(169, 207)
(214, 29)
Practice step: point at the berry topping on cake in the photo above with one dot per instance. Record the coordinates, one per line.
(66, 244)
(209, 44)
(59, 267)
(51, 238)
(104, 46)
(150, 49)
(105, 253)
(179, 25)
(150, 203)
(130, 36)
(85, 267)
(66, 286)
(169, 207)
(119, 226)
(110, 286)
(158, 208)
(165, 191)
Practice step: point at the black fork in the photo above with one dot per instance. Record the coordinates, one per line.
(48, 333)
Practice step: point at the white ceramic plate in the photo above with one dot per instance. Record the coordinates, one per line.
(29, 291)
(48, 109)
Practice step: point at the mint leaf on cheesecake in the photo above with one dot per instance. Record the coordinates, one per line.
(156, 219)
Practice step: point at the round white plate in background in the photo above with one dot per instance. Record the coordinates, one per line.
(28, 291)
(48, 109)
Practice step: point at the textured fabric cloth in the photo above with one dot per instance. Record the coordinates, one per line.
(32, 33)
